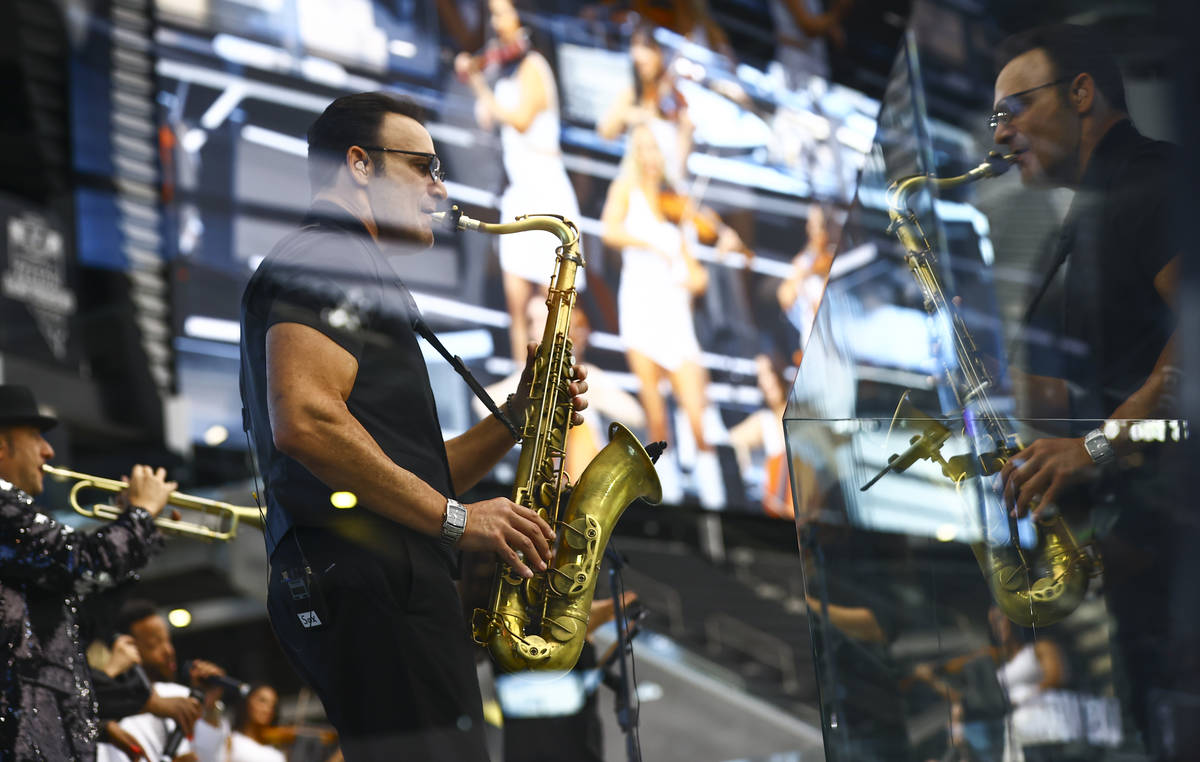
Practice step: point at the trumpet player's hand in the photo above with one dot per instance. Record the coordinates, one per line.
(501, 526)
(148, 488)
(1041, 471)
(578, 387)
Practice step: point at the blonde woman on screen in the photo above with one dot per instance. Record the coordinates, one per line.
(659, 279)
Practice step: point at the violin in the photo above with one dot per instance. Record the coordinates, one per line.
(495, 54)
(678, 208)
(285, 735)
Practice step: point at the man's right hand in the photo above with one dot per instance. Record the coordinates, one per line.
(185, 710)
(503, 527)
(148, 488)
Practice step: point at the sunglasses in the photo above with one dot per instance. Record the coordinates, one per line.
(1012, 106)
(435, 164)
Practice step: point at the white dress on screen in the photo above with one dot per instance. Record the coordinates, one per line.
(537, 179)
(653, 303)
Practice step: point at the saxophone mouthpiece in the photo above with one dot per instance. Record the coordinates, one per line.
(1000, 163)
(448, 219)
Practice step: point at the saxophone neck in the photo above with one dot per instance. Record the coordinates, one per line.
(566, 230)
(899, 191)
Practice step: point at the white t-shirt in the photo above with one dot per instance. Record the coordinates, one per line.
(150, 731)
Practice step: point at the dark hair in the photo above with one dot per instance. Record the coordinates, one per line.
(241, 710)
(669, 106)
(132, 611)
(352, 120)
(1072, 50)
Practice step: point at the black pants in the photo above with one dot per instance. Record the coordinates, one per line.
(391, 660)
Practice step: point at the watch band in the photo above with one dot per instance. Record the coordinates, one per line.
(1098, 447)
(454, 522)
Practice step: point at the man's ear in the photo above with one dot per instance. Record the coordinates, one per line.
(1082, 95)
(358, 164)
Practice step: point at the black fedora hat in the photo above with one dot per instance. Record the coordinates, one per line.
(17, 407)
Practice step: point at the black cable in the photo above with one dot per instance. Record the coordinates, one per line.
(262, 513)
(254, 473)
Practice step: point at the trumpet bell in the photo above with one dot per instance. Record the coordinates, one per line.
(206, 519)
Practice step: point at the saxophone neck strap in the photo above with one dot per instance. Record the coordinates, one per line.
(460, 368)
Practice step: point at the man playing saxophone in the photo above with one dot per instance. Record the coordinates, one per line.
(1109, 293)
(46, 705)
(342, 413)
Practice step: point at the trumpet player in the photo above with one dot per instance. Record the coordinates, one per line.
(342, 413)
(46, 705)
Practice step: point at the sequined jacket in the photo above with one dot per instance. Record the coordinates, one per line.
(47, 707)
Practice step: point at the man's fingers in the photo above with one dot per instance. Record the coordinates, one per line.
(532, 542)
(513, 560)
(1029, 489)
(545, 528)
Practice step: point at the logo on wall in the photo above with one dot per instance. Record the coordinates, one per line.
(36, 275)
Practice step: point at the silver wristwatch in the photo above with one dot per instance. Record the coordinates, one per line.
(1099, 447)
(454, 522)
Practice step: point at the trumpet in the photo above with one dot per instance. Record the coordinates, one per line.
(228, 515)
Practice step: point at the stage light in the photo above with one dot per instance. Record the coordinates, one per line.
(215, 435)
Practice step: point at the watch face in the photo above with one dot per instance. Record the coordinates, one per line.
(456, 516)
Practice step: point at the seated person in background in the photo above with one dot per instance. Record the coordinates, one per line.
(253, 735)
(46, 709)
(121, 688)
(763, 430)
(172, 705)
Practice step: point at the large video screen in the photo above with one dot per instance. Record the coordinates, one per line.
(741, 153)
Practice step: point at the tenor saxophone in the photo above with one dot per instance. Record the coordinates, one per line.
(540, 623)
(1034, 588)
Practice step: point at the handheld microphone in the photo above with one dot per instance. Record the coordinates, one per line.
(175, 737)
(230, 684)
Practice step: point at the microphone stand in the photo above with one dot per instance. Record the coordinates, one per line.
(626, 713)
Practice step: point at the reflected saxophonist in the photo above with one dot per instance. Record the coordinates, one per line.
(1109, 292)
(1034, 586)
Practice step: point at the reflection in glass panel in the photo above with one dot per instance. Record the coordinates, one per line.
(952, 615)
